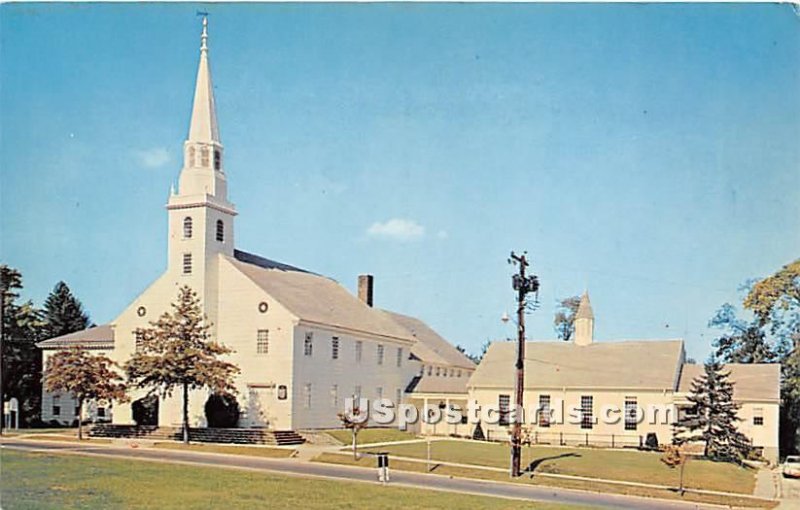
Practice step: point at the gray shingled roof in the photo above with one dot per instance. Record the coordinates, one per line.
(430, 346)
(757, 381)
(651, 364)
(98, 337)
(316, 298)
(433, 384)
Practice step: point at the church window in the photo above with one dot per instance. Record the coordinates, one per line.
(282, 392)
(308, 344)
(430, 370)
(187, 263)
(191, 157)
(204, 157)
(438, 371)
(399, 356)
(56, 405)
(503, 408)
(335, 395)
(335, 347)
(187, 227)
(217, 159)
(263, 307)
(359, 350)
(141, 311)
(758, 416)
(458, 373)
(262, 341)
(101, 412)
(307, 395)
(220, 231)
(544, 411)
(139, 336)
(380, 354)
(631, 413)
(587, 414)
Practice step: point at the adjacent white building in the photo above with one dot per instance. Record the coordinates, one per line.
(302, 341)
(602, 384)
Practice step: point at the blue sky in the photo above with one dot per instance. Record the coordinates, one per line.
(646, 152)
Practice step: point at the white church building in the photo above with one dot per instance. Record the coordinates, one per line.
(302, 341)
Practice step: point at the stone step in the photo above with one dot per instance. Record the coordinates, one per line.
(203, 435)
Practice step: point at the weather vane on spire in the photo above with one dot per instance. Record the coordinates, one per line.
(204, 36)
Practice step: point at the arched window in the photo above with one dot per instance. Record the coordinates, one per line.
(187, 227)
(217, 159)
(191, 157)
(204, 157)
(220, 231)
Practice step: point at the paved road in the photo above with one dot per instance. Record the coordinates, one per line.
(352, 473)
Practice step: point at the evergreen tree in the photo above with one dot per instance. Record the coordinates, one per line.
(63, 313)
(21, 360)
(85, 376)
(176, 352)
(714, 419)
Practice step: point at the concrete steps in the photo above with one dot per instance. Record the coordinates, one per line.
(201, 435)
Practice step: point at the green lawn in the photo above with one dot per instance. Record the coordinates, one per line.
(634, 466)
(253, 451)
(399, 465)
(44, 481)
(367, 436)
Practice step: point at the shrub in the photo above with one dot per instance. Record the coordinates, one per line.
(222, 411)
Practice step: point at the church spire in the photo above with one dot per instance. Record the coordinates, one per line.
(203, 127)
(584, 322)
(203, 168)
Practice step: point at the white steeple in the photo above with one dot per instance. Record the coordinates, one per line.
(584, 322)
(203, 172)
(203, 127)
(200, 215)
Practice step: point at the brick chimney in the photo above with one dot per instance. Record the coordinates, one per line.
(365, 284)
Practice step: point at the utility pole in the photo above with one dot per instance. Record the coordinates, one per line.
(2, 351)
(523, 285)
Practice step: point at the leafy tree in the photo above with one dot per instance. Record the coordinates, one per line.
(85, 376)
(63, 313)
(355, 420)
(674, 456)
(21, 365)
(741, 341)
(177, 352)
(775, 301)
(564, 320)
(714, 419)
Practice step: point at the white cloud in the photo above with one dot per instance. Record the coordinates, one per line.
(154, 158)
(397, 229)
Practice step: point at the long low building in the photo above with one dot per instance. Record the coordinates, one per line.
(613, 393)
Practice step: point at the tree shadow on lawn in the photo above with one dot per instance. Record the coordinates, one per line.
(536, 463)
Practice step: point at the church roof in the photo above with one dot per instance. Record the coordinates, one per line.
(752, 381)
(98, 337)
(645, 364)
(430, 346)
(314, 298)
(585, 308)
